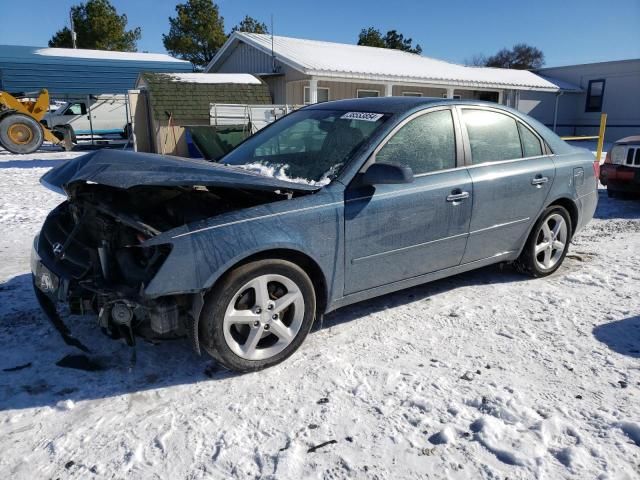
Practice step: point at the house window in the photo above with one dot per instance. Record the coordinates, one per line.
(455, 96)
(595, 94)
(411, 94)
(323, 95)
(368, 93)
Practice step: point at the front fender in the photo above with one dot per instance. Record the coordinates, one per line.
(309, 225)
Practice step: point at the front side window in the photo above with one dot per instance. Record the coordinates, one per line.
(306, 146)
(595, 95)
(323, 95)
(531, 146)
(426, 144)
(76, 109)
(493, 136)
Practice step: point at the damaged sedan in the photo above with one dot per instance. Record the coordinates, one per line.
(333, 204)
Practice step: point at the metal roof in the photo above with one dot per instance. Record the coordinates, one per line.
(330, 60)
(68, 71)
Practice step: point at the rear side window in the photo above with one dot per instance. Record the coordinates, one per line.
(426, 144)
(531, 146)
(493, 136)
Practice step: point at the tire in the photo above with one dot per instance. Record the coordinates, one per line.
(20, 133)
(549, 258)
(238, 325)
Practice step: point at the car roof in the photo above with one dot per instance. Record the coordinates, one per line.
(394, 105)
(628, 140)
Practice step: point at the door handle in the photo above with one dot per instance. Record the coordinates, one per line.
(539, 180)
(456, 197)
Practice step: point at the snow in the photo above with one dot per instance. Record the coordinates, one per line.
(552, 392)
(280, 174)
(106, 55)
(329, 59)
(215, 78)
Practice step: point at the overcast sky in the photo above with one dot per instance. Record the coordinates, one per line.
(567, 31)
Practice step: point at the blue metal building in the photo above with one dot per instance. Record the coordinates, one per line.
(67, 72)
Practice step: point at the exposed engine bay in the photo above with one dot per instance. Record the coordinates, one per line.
(95, 241)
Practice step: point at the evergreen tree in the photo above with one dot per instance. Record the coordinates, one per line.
(372, 37)
(196, 32)
(99, 27)
(250, 25)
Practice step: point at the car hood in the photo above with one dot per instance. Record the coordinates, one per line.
(126, 169)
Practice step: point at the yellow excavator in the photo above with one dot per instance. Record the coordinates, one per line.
(20, 127)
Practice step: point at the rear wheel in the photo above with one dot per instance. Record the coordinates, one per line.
(258, 315)
(547, 244)
(20, 133)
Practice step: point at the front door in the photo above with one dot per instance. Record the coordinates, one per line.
(395, 232)
(512, 176)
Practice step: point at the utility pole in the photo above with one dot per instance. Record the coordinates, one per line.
(73, 31)
(273, 55)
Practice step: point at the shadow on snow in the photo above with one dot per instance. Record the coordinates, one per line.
(29, 376)
(621, 336)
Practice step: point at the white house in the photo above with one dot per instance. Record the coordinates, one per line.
(300, 71)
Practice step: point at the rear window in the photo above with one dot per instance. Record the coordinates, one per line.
(493, 136)
(531, 146)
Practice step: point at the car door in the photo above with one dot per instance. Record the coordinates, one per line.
(75, 114)
(512, 175)
(394, 232)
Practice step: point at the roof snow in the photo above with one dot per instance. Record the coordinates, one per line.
(338, 60)
(216, 78)
(106, 55)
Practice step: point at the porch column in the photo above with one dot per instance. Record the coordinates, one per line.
(516, 100)
(388, 90)
(450, 91)
(313, 90)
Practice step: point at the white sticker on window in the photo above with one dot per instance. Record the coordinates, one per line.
(366, 116)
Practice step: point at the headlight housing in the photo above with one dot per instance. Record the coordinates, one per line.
(618, 154)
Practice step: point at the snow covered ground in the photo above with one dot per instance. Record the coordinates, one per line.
(484, 375)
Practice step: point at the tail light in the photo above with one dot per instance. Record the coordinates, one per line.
(596, 168)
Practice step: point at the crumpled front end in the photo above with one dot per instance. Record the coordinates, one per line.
(96, 263)
(99, 250)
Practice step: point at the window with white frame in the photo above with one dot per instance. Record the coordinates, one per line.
(323, 95)
(411, 94)
(368, 93)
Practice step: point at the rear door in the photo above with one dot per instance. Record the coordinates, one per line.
(512, 174)
(395, 232)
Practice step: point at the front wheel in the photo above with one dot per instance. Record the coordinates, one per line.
(547, 244)
(258, 315)
(20, 133)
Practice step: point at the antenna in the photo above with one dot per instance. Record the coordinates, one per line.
(273, 55)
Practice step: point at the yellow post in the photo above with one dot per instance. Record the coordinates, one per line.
(603, 124)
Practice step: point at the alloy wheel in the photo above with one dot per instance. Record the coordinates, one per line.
(263, 317)
(550, 242)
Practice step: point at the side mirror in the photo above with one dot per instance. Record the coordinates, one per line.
(379, 173)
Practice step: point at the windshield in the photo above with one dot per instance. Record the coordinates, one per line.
(307, 146)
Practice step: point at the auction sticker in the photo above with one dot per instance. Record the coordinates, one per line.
(366, 116)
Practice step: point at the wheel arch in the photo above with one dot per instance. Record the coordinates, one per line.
(565, 202)
(297, 257)
(570, 206)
